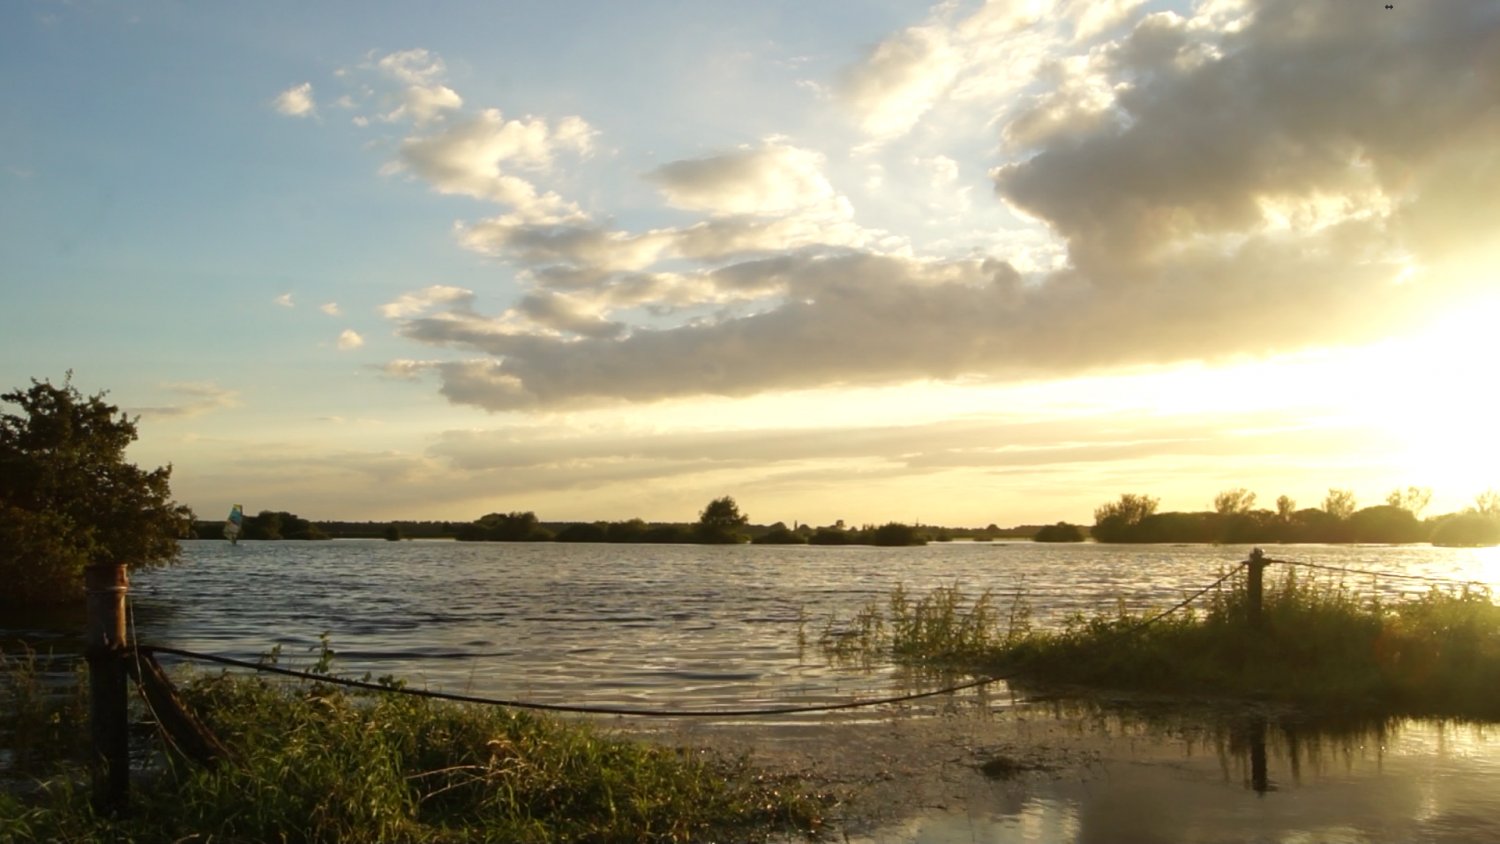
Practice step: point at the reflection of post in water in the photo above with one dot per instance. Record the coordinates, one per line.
(1258, 779)
(1248, 738)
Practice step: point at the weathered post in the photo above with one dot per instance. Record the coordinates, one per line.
(105, 651)
(1255, 588)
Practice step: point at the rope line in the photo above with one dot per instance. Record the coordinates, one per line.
(1396, 575)
(562, 707)
(1188, 600)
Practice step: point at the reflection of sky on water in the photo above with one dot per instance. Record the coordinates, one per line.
(1171, 781)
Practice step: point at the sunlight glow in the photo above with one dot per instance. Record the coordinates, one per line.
(1430, 392)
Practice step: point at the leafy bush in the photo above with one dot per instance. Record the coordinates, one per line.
(69, 498)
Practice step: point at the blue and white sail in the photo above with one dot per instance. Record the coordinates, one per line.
(234, 523)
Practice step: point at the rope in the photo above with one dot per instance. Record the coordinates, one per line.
(560, 707)
(1188, 600)
(1448, 580)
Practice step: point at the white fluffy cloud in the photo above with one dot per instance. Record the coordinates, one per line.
(296, 101)
(350, 339)
(481, 157)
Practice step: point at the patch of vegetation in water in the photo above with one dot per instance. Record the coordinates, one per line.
(312, 762)
(1319, 644)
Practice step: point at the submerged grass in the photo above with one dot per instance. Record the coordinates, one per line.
(314, 763)
(1322, 645)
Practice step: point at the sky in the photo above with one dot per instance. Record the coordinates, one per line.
(961, 264)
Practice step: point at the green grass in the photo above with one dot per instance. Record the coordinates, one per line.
(313, 763)
(1322, 645)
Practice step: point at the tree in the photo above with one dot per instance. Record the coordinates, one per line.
(1118, 521)
(1386, 523)
(897, 534)
(505, 527)
(1413, 499)
(1130, 509)
(1339, 503)
(719, 521)
(1470, 528)
(780, 534)
(1234, 502)
(1285, 507)
(68, 498)
(1060, 532)
(1487, 503)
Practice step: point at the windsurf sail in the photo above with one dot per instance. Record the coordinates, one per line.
(233, 524)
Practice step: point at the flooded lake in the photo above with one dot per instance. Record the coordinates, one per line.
(712, 627)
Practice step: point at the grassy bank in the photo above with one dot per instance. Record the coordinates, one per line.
(312, 763)
(1322, 645)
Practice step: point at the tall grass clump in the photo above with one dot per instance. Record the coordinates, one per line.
(943, 629)
(311, 762)
(43, 715)
(1320, 643)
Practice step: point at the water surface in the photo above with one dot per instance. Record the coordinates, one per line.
(710, 627)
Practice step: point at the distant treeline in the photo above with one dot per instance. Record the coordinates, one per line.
(1133, 518)
(715, 527)
(1235, 519)
(720, 523)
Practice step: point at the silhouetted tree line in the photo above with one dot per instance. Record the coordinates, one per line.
(289, 526)
(720, 523)
(279, 525)
(1236, 520)
(1060, 532)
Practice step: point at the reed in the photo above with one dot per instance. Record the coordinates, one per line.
(1323, 644)
(314, 763)
(43, 713)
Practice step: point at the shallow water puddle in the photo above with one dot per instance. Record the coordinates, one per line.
(1215, 778)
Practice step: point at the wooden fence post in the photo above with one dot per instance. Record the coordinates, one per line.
(106, 585)
(1255, 588)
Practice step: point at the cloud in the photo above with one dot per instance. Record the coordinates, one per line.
(480, 157)
(330, 308)
(199, 398)
(1250, 180)
(285, 300)
(437, 294)
(296, 101)
(862, 318)
(425, 104)
(1301, 104)
(413, 67)
(773, 179)
(555, 456)
(900, 79)
(350, 339)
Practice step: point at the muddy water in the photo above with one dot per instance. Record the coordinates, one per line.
(700, 628)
